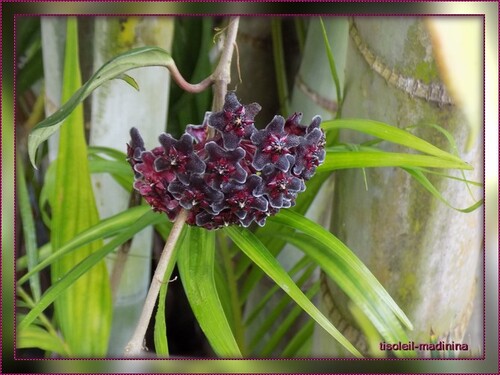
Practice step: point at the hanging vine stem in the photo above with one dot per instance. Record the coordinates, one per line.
(220, 78)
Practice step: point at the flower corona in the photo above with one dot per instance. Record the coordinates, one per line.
(239, 176)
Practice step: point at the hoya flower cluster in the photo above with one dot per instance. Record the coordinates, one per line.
(226, 171)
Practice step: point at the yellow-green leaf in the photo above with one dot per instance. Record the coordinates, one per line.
(83, 311)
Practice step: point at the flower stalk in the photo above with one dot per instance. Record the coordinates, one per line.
(136, 344)
(220, 79)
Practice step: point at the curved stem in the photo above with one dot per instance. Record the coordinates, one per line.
(135, 345)
(186, 86)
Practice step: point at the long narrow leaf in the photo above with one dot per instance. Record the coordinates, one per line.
(29, 230)
(391, 134)
(343, 160)
(139, 57)
(36, 337)
(259, 254)
(105, 228)
(301, 339)
(424, 181)
(196, 267)
(85, 265)
(303, 224)
(333, 68)
(88, 301)
(286, 325)
(359, 289)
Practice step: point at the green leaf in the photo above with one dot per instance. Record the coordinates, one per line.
(196, 267)
(333, 68)
(299, 341)
(355, 285)
(359, 159)
(58, 287)
(160, 330)
(136, 58)
(128, 79)
(301, 264)
(279, 64)
(351, 275)
(228, 288)
(28, 225)
(260, 255)
(103, 229)
(36, 337)
(273, 243)
(391, 134)
(349, 260)
(87, 301)
(424, 181)
(286, 325)
(119, 170)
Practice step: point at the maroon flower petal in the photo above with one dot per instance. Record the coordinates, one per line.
(274, 146)
(223, 166)
(280, 188)
(235, 121)
(179, 157)
(293, 126)
(195, 193)
(311, 151)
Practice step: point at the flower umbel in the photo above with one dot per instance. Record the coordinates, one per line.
(238, 176)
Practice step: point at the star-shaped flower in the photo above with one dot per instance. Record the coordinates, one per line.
(239, 198)
(222, 219)
(280, 188)
(179, 158)
(196, 193)
(311, 151)
(235, 121)
(274, 146)
(293, 126)
(223, 166)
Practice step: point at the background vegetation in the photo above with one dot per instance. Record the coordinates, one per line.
(222, 283)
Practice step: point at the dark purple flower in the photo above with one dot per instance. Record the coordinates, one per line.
(222, 219)
(281, 188)
(136, 146)
(293, 126)
(179, 157)
(199, 132)
(158, 197)
(274, 146)
(235, 121)
(196, 193)
(223, 166)
(258, 216)
(235, 175)
(240, 200)
(311, 151)
(144, 168)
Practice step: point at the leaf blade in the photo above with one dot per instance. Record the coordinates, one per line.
(139, 57)
(254, 249)
(391, 134)
(62, 284)
(196, 267)
(365, 159)
(74, 210)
